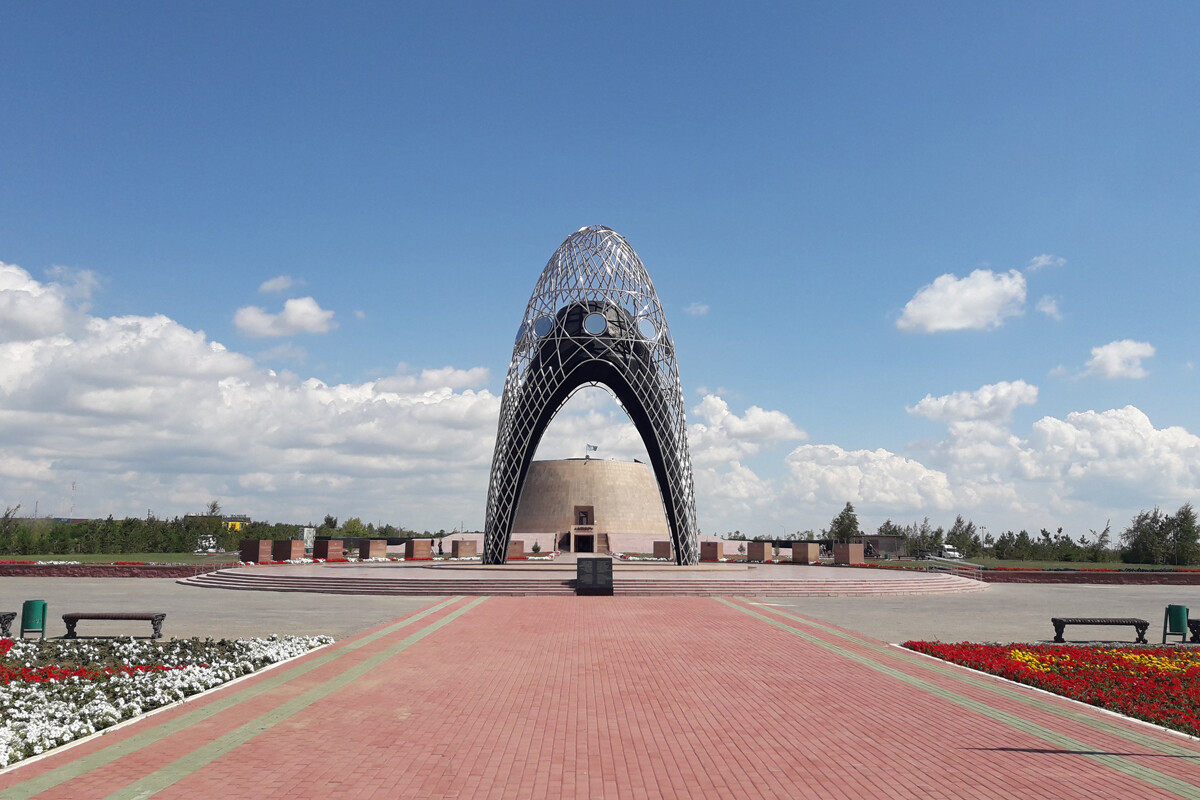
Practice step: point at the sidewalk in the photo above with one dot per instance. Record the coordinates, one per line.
(619, 697)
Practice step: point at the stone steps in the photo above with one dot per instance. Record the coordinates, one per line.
(636, 587)
(380, 586)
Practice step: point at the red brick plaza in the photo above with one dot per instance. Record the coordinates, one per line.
(603, 697)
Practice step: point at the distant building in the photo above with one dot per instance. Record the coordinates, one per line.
(233, 522)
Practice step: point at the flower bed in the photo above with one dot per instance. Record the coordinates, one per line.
(1093, 569)
(1155, 684)
(52, 692)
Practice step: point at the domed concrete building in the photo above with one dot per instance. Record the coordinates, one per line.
(593, 505)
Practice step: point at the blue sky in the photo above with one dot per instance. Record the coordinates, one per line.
(846, 208)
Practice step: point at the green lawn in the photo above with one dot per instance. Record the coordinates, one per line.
(997, 562)
(149, 558)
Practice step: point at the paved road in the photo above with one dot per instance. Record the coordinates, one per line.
(206, 613)
(1005, 612)
(619, 697)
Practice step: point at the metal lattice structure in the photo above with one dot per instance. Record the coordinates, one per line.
(593, 319)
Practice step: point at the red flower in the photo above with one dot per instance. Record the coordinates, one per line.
(1159, 685)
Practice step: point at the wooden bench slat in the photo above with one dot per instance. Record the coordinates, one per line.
(1139, 625)
(112, 615)
(154, 617)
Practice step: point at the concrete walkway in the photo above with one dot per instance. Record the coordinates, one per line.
(601, 697)
(1005, 612)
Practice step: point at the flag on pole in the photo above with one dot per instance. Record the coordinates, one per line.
(591, 448)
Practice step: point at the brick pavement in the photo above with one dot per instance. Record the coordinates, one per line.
(604, 697)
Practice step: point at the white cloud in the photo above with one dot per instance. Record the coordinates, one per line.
(982, 300)
(1120, 359)
(29, 309)
(280, 283)
(434, 379)
(286, 351)
(732, 491)
(723, 437)
(825, 475)
(996, 402)
(1049, 306)
(299, 315)
(1043, 261)
(1078, 471)
(1090, 466)
(696, 309)
(76, 284)
(360, 314)
(1097, 455)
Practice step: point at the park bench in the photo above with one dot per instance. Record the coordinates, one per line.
(1140, 625)
(1194, 627)
(6, 620)
(155, 619)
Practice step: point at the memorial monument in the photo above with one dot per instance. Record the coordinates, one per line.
(593, 319)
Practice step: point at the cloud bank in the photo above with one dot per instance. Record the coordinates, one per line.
(130, 414)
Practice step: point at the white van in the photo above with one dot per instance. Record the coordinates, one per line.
(948, 551)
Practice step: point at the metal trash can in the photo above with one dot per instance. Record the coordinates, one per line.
(33, 617)
(594, 576)
(1175, 623)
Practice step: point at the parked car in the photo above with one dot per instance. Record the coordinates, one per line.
(948, 551)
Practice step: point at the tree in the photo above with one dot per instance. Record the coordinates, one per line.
(962, 537)
(1147, 539)
(845, 525)
(922, 538)
(353, 528)
(214, 508)
(1182, 536)
(330, 522)
(889, 528)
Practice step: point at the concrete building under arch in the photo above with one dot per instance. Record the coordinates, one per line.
(592, 505)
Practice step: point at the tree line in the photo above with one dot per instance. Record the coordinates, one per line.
(1152, 537)
(22, 536)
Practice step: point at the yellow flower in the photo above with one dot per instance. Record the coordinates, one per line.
(1031, 660)
(1164, 660)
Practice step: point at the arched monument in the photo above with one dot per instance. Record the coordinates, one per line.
(593, 319)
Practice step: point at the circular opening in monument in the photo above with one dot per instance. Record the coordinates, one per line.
(521, 331)
(542, 326)
(646, 328)
(595, 324)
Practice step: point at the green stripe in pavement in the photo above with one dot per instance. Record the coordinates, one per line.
(1118, 763)
(183, 767)
(74, 769)
(963, 675)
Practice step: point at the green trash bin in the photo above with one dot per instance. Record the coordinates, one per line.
(33, 617)
(1175, 623)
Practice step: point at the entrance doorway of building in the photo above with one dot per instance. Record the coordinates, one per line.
(585, 543)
